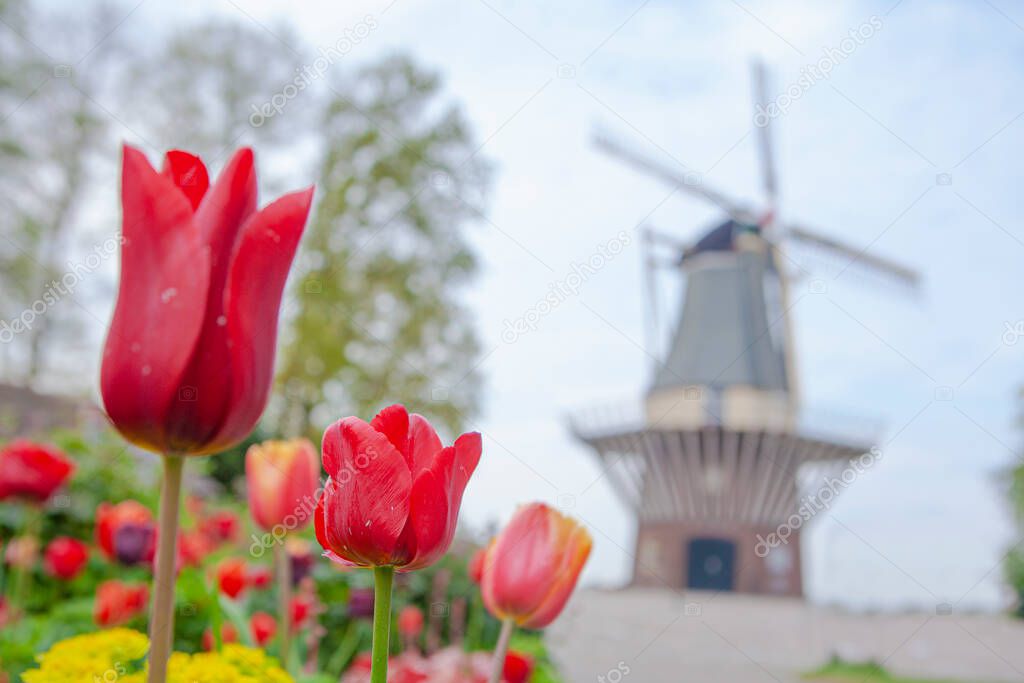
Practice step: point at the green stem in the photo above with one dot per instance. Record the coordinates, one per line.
(501, 649)
(383, 579)
(161, 619)
(284, 599)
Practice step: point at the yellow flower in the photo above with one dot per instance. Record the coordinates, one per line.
(115, 656)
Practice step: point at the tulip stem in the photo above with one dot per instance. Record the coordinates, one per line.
(161, 620)
(284, 601)
(501, 649)
(383, 578)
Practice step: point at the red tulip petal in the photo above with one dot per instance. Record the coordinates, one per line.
(468, 448)
(367, 504)
(465, 457)
(424, 444)
(436, 500)
(318, 520)
(199, 410)
(252, 301)
(159, 313)
(575, 548)
(393, 422)
(188, 172)
(428, 519)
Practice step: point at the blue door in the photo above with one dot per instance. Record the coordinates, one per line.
(710, 564)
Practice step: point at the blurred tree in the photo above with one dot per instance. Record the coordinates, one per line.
(50, 124)
(376, 316)
(218, 71)
(1013, 563)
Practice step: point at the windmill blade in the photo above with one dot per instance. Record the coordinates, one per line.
(856, 257)
(692, 185)
(653, 236)
(764, 139)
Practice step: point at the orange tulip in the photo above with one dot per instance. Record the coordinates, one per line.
(532, 566)
(283, 478)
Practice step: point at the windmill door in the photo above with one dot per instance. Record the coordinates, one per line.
(710, 564)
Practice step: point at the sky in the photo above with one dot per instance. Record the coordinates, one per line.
(907, 148)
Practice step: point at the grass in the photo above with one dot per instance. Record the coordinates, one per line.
(838, 671)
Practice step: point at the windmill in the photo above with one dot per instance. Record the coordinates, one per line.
(718, 463)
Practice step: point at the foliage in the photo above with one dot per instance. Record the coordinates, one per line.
(1013, 564)
(532, 644)
(50, 131)
(839, 671)
(374, 309)
(376, 315)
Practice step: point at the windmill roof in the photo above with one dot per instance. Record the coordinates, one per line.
(729, 332)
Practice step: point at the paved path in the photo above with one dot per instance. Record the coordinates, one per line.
(662, 637)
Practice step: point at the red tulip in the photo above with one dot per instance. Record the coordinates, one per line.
(263, 627)
(126, 532)
(193, 547)
(188, 358)
(259, 577)
(393, 493)
(518, 668)
(283, 478)
(65, 558)
(117, 602)
(228, 634)
(300, 610)
(532, 566)
(410, 621)
(221, 527)
(476, 565)
(32, 471)
(231, 577)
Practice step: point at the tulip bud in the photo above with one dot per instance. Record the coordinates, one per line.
(263, 627)
(532, 566)
(228, 634)
(134, 543)
(126, 532)
(259, 577)
(476, 565)
(65, 558)
(282, 478)
(231, 577)
(117, 602)
(410, 621)
(517, 668)
(32, 471)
